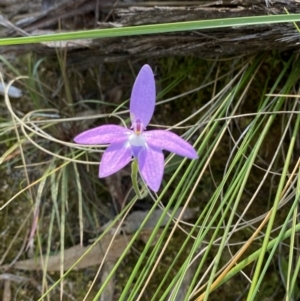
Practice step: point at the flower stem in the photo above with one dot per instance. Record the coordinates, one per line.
(134, 178)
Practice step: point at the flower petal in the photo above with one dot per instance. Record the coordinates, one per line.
(116, 156)
(170, 142)
(151, 166)
(142, 100)
(103, 134)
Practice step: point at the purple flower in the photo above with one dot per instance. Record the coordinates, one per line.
(145, 146)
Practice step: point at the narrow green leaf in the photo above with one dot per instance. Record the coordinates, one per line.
(153, 29)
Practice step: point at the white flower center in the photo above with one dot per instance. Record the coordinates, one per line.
(137, 140)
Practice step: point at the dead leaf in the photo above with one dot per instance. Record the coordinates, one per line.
(71, 255)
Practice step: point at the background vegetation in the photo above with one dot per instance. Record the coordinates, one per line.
(241, 114)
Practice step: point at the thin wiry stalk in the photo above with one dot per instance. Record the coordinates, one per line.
(255, 280)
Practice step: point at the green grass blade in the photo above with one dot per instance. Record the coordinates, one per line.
(154, 29)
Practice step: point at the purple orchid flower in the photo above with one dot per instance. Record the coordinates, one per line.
(145, 146)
